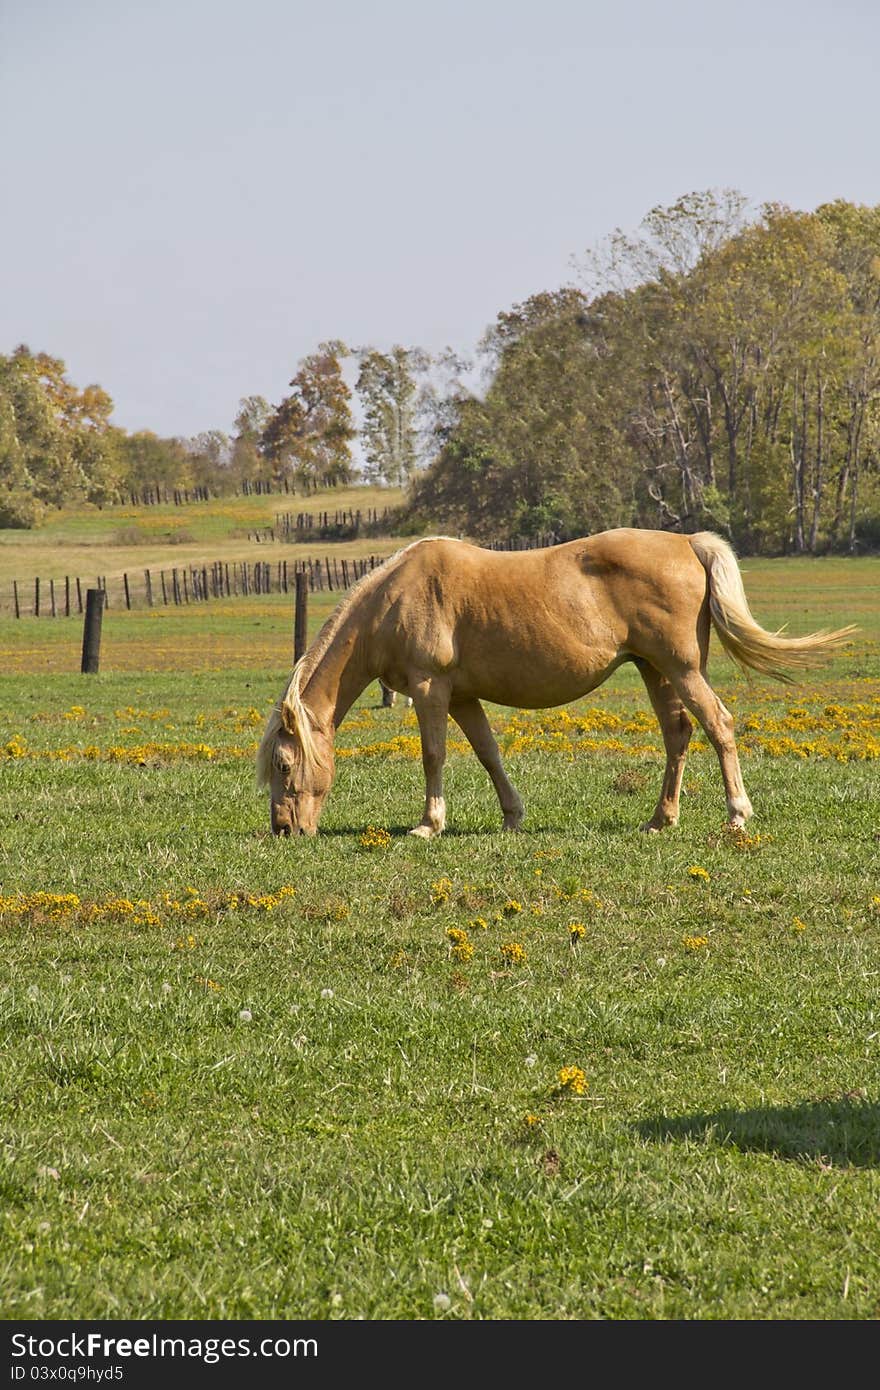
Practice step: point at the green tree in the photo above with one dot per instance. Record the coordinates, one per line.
(855, 232)
(307, 439)
(528, 457)
(722, 372)
(249, 462)
(210, 457)
(19, 506)
(100, 455)
(388, 388)
(153, 462)
(31, 386)
(58, 445)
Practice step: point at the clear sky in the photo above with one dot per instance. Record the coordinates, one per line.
(197, 192)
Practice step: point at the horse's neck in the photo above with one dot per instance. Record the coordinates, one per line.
(338, 677)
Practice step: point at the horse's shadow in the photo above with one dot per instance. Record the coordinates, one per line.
(397, 832)
(835, 1131)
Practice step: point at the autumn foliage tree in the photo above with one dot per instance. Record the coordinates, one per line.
(307, 438)
(56, 444)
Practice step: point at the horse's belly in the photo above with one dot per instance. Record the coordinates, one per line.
(525, 682)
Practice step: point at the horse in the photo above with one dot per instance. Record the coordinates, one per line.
(450, 624)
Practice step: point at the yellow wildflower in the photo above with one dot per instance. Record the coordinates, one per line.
(461, 947)
(374, 837)
(572, 1079)
(440, 891)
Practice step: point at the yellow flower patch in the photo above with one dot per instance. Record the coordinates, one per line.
(572, 1080)
(513, 952)
(374, 837)
(460, 946)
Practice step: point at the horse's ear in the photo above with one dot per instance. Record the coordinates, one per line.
(288, 719)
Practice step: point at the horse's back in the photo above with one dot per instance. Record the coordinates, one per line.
(623, 567)
(540, 626)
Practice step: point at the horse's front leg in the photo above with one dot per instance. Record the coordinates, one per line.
(470, 716)
(430, 697)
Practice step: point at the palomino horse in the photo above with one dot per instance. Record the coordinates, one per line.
(451, 624)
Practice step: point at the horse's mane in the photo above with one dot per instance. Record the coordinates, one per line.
(291, 714)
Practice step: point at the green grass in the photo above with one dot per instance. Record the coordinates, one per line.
(388, 1124)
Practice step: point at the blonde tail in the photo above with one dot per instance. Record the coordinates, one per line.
(742, 638)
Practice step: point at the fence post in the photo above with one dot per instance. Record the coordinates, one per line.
(127, 594)
(15, 597)
(301, 615)
(91, 647)
(149, 588)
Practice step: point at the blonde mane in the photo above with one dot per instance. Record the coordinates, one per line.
(291, 714)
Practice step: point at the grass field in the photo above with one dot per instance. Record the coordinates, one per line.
(575, 1073)
(128, 539)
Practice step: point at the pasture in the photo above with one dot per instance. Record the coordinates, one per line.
(86, 542)
(574, 1073)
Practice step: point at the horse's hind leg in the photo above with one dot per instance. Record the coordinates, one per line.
(676, 729)
(430, 697)
(716, 719)
(470, 716)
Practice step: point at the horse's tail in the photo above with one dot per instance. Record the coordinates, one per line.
(746, 641)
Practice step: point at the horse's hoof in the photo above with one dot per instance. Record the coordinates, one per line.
(653, 827)
(512, 823)
(424, 832)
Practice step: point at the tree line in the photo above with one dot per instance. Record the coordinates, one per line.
(713, 371)
(716, 370)
(59, 447)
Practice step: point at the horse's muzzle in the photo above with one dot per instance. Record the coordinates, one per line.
(282, 825)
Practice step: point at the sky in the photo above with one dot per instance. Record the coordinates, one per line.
(196, 193)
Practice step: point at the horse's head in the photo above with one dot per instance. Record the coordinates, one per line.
(299, 781)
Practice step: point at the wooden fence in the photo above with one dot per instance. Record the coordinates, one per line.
(221, 579)
(184, 584)
(160, 494)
